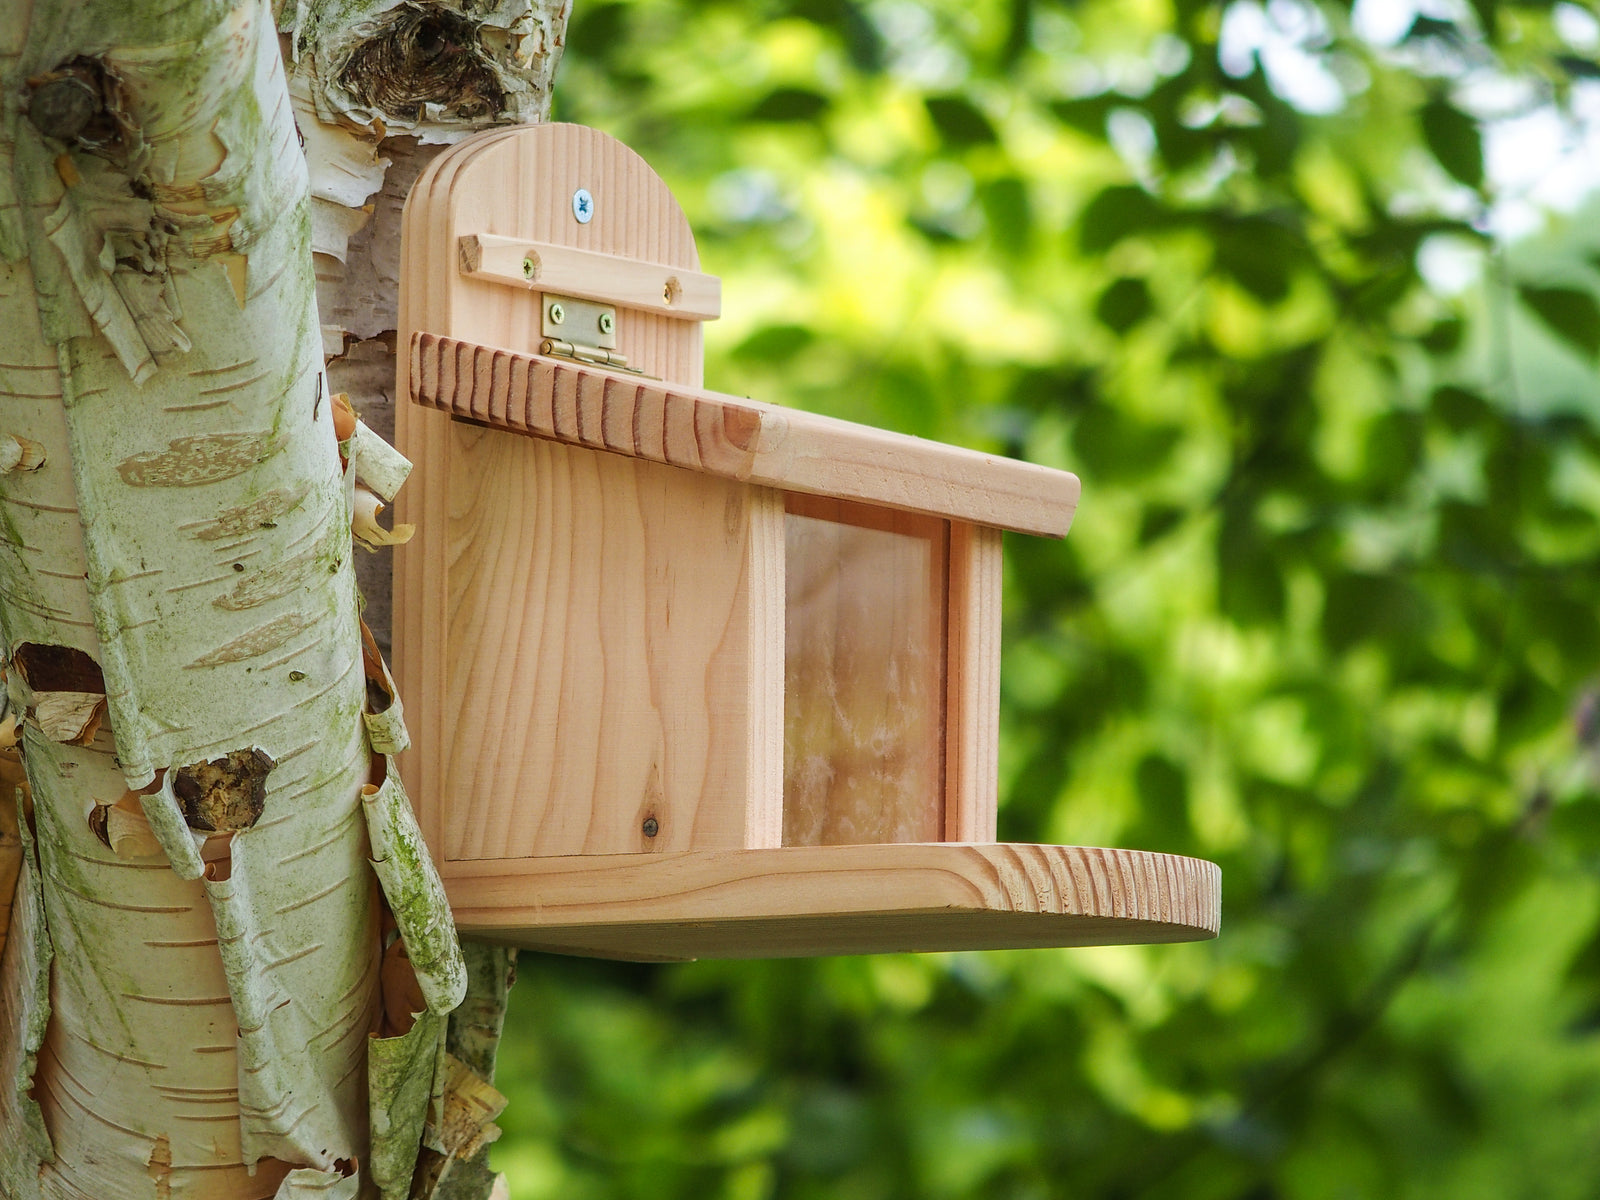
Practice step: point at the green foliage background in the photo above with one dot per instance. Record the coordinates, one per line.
(1327, 616)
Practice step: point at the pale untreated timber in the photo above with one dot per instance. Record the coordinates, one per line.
(735, 438)
(577, 685)
(811, 900)
(593, 616)
(972, 695)
(602, 614)
(546, 267)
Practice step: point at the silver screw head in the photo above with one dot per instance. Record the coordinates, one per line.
(607, 322)
(557, 314)
(528, 268)
(583, 206)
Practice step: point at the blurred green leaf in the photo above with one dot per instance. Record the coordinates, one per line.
(1445, 337)
(1123, 305)
(1111, 444)
(847, 19)
(1360, 607)
(958, 121)
(1118, 213)
(789, 104)
(1009, 212)
(775, 343)
(1250, 585)
(1459, 408)
(1455, 141)
(1578, 67)
(1087, 114)
(1260, 254)
(1572, 314)
(598, 29)
(1157, 521)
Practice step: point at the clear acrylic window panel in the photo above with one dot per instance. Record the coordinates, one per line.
(864, 674)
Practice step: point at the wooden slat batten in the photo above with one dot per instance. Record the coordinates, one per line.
(807, 900)
(735, 438)
(530, 266)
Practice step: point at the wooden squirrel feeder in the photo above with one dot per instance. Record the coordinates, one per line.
(689, 675)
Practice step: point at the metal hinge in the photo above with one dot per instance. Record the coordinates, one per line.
(582, 331)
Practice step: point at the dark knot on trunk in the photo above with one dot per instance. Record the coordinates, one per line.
(419, 55)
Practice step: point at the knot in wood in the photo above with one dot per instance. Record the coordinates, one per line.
(420, 55)
(80, 101)
(62, 107)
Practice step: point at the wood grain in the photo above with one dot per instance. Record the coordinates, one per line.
(543, 267)
(581, 637)
(734, 438)
(972, 696)
(420, 636)
(601, 618)
(811, 900)
(591, 621)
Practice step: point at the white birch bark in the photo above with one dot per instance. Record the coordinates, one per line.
(380, 87)
(188, 1013)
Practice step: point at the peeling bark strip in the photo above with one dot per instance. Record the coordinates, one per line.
(170, 830)
(379, 466)
(68, 716)
(277, 1117)
(474, 1039)
(461, 1137)
(400, 1075)
(68, 700)
(24, 1015)
(58, 669)
(415, 893)
(20, 454)
(385, 716)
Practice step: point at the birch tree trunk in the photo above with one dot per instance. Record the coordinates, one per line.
(229, 963)
(380, 87)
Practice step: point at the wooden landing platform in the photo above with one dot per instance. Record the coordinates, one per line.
(800, 901)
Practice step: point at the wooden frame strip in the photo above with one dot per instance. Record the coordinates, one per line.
(735, 438)
(972, 685)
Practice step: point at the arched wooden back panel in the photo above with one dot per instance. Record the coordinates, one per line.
(520, 594)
